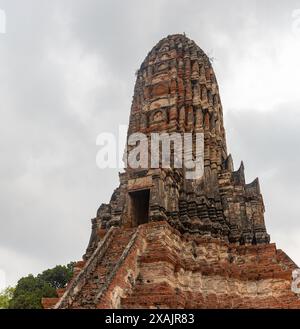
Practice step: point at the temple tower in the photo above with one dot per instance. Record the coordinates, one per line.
(168, 241)
(176, 90)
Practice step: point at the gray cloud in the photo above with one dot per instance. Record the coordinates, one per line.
(268, 143)
(67, 74)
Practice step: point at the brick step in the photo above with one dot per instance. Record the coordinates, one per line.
(145, 295)
(99, 276)
(49, 302)
(60, 292)
(141, 290)
(147, 301)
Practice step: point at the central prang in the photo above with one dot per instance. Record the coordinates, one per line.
(176, 91)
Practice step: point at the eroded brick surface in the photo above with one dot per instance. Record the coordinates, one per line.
(167, 269)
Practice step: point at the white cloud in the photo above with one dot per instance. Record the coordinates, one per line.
(266, 76)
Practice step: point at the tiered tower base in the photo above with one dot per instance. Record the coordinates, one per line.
(155, 266)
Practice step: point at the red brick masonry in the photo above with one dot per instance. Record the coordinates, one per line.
(163, 268)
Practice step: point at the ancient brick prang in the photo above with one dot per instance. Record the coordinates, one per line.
(171, 242)
(176, 91)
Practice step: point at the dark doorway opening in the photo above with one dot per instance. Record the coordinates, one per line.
(139, 207)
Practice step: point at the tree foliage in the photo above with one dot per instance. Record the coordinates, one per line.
(30, 290)
(5, 297)
(58, 276)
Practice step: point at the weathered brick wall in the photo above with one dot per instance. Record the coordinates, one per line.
(183, 271)
(164, 269)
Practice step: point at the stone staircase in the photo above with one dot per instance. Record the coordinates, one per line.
(98, 278)
(85, 289)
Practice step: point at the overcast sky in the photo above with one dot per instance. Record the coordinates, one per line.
(67, 71)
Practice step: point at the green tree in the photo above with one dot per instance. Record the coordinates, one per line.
(5, 297)
(58, 276)
(30, 290)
